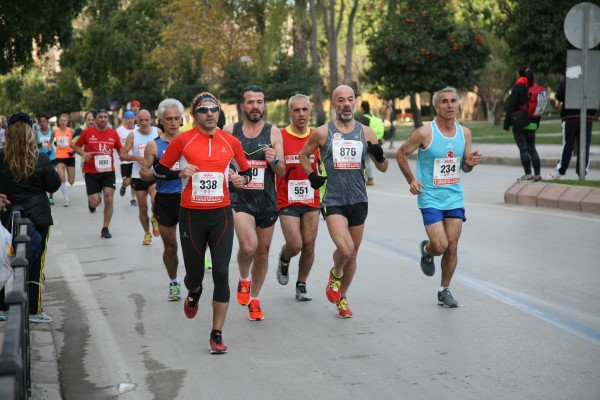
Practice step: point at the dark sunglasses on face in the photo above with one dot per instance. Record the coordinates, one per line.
(206, 109)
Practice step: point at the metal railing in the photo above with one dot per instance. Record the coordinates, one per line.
(15, 361)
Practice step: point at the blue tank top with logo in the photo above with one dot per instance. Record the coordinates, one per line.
(166, 186)
(438, 168)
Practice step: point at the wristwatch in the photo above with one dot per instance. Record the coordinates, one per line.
(275, 161)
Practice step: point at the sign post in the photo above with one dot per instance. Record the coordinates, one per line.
(582, 29)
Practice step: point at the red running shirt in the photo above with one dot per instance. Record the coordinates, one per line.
(208, 187)
(293, 189)
(101, 145)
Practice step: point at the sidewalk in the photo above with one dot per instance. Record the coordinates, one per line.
(45, 379)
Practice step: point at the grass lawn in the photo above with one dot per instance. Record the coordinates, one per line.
(484, 132)
(593, 184)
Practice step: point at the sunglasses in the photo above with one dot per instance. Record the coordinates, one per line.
(206, 109)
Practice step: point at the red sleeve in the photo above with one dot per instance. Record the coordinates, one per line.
(82, 139)
(173, 152)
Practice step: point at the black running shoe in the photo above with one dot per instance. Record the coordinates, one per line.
(105, 234)
(427, 264)
(92, 209)
(122, 191)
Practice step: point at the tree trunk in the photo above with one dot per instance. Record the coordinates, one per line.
(332, 30)
(314, 54)
(415, 109)
(301, 31)
(350, 45)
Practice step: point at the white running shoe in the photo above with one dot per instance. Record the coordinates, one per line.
(555, 176)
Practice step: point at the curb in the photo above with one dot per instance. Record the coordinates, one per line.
(554, 195)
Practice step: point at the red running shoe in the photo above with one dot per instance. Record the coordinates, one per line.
(333, 288)
(190, 306)
(217, 346)
(343, 310)
(243, 292)
(255, 313)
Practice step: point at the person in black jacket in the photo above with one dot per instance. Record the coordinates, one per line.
(524, 136)
(25, 177)
(571, 118)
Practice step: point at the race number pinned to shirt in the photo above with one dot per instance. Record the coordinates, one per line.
(103, 163)
(45, 142)
(207, 187)
(300, 191)
(446, 171)
(62, 142)
(258, 168)
(347, 154)
(141, 148)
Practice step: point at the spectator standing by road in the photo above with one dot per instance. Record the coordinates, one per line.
(26, 175)
(524, 135)
(571, 125)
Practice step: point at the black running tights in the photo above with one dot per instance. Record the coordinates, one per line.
(197, 228)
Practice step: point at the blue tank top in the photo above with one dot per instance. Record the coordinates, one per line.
(166, 186)
(43, 142)
(438, 168)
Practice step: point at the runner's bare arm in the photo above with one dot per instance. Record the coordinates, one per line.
(276, 159)
(124, 153)
(414, 141)
(150, 155)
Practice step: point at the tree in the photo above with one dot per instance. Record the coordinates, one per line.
(535, 34)
(333, 25)
(289, 77)
(496, 79)
(314, 54)
(63, 94)
(24, 23)
(420, 48)
(236, 77)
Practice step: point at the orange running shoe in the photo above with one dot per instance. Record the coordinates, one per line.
(255, 313)
(155, 230)
(343, 310)
(243, 292)
(333, 287)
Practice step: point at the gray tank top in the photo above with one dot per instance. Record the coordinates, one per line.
(259, 195)
(343, 157)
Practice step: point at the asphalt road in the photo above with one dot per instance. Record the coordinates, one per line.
(528, 326)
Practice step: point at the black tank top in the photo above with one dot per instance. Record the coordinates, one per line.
(259, 195)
